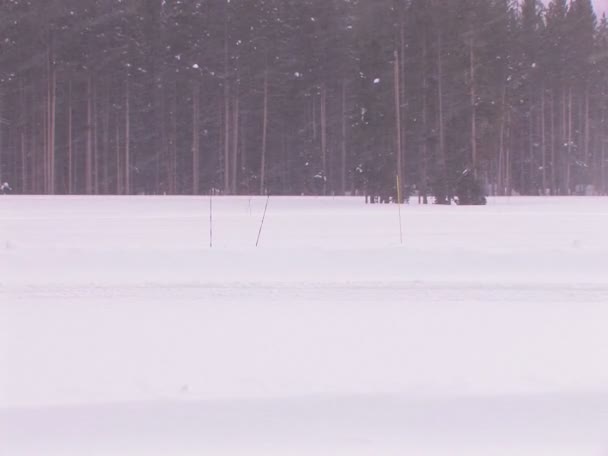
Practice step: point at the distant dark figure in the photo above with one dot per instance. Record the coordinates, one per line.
(469, 191)
(379, 184)
(441, 192)
(5, 189)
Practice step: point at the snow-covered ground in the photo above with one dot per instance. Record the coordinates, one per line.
(122, 332)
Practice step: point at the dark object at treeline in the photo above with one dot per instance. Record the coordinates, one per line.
(468, 191)
(5, 189)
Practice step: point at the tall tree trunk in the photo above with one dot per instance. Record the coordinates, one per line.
(70, 142)
(235, 143)
(473, 97)
(501, 141)
(227, 116)
(24, 133)
(227, 121)
(314, 118)
(532, 184)
(343, 142)
(105, 152)
(543, 141)
(402, 100)
(95, 126)
(587, 133)
(38, 154)
(569, 142)
(264, 135)
(196, 139)
(127, 161)
(2, 149)
(397, 98)
(440, 118)
(554, 184)
(424, 148)
(564, 143)
(323, 120)
(508, 164)
(603, 183)
(89, 149)
(50, 120)
(172, 162)
(23, 164)
(117, 159)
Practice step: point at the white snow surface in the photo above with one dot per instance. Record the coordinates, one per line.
(122, 332)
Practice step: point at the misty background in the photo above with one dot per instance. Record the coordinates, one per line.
(303, 97)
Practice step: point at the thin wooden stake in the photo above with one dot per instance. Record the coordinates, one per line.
(399, 208)
(262, 224)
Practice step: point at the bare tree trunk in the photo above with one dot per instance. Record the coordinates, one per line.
(95, 140)
(473, 96)
(235, 143)
(587, 134)
(53, 129)
(531, 156)
(543, 145)
(50, 121)
(402, 113)
(398, 151)
(227, 117)
(1, 137)
(602, 187)
(323, 121)
(603, 184)
(227, 121)
(70, 142)
(23, 164)
(196, 139)
(45, 138)
(106, 141)
(221, 140)
(127, 171)
(554, 187)
(38, 152)
(2, 149)
(440, 118)
(89, 148)
(343, 142)
(243, 152)
(563, 144)
(423, 184)
(501, 142)
(569, 149)
(117, 158)
(285, 155)
(264, 135)
(41, 149)
(24, 132)
(173, 190)
(508, 164)
(314, 117)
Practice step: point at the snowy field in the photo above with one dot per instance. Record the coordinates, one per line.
(123, 333)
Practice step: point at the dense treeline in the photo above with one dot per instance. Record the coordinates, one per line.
(302, 96)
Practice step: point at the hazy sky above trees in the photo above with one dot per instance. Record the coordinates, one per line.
(601, 6)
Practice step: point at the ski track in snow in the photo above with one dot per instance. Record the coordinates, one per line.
(485, 333)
